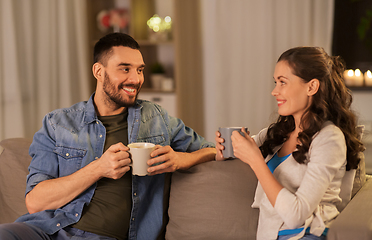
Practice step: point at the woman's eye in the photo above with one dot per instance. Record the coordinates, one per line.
(281, 83)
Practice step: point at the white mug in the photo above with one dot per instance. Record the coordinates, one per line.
(140, 154)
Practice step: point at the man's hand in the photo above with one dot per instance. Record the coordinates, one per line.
(55, 193)
(114, 163)
(167, 160)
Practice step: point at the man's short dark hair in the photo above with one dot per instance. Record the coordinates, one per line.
(103, 47)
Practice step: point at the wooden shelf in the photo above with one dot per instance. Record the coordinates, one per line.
(152, 50)
(154, 43)
(151, 90)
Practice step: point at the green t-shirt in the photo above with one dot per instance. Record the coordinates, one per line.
(108, 214)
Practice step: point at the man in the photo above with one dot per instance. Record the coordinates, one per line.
(80, 183)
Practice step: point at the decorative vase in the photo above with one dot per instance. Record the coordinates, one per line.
(156, 80)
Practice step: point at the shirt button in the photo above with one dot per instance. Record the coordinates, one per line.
(58, 224)
(77, 214)
(67, 154)
(100, 136)
(96, 158)
(97, 122)
(132, 219)
(135, 194)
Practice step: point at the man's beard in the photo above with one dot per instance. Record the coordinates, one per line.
(113, 93)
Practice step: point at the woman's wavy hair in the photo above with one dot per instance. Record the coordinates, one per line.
(331, 103)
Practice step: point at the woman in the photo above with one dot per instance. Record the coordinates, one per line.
(301, 158)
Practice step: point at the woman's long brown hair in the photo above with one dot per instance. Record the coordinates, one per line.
(331, 103)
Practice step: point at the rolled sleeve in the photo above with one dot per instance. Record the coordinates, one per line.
(185, 139)
(44, 163)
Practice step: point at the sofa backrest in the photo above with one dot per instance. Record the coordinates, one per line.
(213, 200)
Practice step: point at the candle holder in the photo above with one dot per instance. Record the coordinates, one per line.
(349, 77)
(358, 78)
(368, 78)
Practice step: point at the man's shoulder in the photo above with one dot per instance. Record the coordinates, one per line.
(72, 118)
(76, 109)
(148, 104)
(150, 108)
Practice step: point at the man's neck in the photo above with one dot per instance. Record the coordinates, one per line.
(104, 109)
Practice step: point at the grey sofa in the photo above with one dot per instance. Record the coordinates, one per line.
(209, 201)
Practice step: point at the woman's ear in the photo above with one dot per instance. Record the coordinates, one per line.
(97, 70)
(313, 87)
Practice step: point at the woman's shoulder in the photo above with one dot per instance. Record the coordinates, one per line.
(260, 137)
(330, 135)
(329, 129)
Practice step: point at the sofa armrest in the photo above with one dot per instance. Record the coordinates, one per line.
(355, 221)
(14, 162)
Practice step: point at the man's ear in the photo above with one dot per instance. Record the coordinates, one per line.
(313, 85)
(98, 71)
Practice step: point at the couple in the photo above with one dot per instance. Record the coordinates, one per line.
(80, 185)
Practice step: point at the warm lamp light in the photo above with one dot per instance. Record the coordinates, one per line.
(168, 19)
(154, 23)
(159, 27)
(157, 24)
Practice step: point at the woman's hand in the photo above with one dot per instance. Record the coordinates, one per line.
(245, 148)
(219, 146)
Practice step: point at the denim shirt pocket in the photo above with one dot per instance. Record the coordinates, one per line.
(69, 159)
(157, 140)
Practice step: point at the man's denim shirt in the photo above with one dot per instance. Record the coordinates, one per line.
(71, 138)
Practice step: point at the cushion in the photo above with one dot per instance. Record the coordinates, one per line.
(14, 162)
(355, 221)
(213, 200)
(360, 174)
(354, 179)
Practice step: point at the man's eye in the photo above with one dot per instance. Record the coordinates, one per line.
(140, 70)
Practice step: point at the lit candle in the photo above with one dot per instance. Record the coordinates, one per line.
(368, 78)
(349, 77)
(359, 78)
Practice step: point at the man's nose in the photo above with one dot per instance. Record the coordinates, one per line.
(134, 77)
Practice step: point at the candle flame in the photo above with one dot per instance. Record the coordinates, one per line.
(350, 73)
(369, 74)
(358, 72)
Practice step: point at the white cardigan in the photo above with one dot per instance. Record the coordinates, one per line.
(311, 191)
